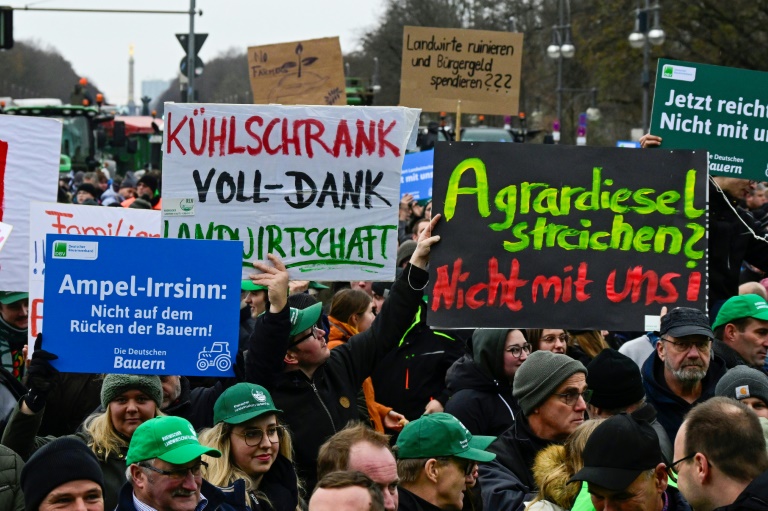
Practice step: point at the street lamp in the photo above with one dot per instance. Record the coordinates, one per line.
(561, 48)
(643, 37)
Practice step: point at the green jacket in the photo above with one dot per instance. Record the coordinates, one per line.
(11, 497)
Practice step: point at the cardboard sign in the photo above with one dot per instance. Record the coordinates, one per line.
(721, 109)
(29, 170)
(175, 313)
(479, 67)
(417, 174)
(566, 237)
(298, 73)
(54, 218)
(318, 186)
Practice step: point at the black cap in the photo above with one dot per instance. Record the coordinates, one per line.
(382, 288)
(683, 321)
(614, 380)
(618, 451)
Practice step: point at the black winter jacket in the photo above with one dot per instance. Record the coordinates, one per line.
(316, 408)
(196, 405)
(730, 244)
(414, 373)
(753, 498)
(507, 482)
(481, 396)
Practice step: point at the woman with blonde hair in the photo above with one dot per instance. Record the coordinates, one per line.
(555, 465)
(127, 401)
(254, 447)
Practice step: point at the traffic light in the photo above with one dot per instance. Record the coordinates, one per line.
(6, 27)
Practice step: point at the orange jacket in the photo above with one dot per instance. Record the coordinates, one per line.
(339, 334)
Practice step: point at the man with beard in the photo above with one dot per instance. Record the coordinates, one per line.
(683, 370)
(14, 321)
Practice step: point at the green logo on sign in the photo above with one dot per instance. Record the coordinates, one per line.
(60, 249)
(668, 71)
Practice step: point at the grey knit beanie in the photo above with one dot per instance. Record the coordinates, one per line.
(741, 382)
(540, 375)
(116, 384)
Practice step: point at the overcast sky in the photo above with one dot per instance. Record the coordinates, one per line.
(97, 44)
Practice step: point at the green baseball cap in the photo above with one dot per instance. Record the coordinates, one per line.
(171, 439)
(442, 434)
(741, 306)
(301, 319)
(8, 297)
(248, 285)
(241, 403)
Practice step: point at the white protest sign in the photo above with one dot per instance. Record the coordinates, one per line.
(29, 170)
(5, 232)
(53, 218)
(318, 186)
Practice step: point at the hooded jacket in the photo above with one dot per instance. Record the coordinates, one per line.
(671, 408)
(481, 395)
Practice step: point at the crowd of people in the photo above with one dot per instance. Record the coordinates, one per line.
(345, 399)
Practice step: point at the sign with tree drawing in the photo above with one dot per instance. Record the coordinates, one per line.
(298, 73)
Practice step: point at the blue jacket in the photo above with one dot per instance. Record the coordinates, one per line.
(671, 408)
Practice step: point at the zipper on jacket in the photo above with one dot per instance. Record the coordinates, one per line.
(312, 384)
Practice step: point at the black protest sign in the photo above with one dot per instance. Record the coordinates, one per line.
(568, 237)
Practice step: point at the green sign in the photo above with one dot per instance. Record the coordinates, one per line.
(721, 109)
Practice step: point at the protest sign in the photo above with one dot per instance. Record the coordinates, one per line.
(568, 237)
(723, 110)
(178, 313)
(479, 67)
(29, 170)
(416, 178)
(316, 185)
(5, 233)
(298, 73)
(54, 218)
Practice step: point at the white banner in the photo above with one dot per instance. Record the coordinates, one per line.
(29, 170)
(317, 185)
(52, 218)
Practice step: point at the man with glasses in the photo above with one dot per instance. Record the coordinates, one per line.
(165, 471)
(315, 387)
(721, 461)
(481, 383)
(436, 456)
(551, 389)
(624, 469)
(682, 371)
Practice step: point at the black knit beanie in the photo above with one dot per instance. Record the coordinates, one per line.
(64, 460)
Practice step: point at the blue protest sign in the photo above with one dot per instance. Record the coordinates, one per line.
(142, 305)
(416, 177)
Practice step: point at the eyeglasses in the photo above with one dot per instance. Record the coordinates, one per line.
(253, 437)
(179, 474)
(549, 339)
(685, 346)
(570, 398)
(518, 350)
(467, 466)
(315, 332)
(672, 471)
